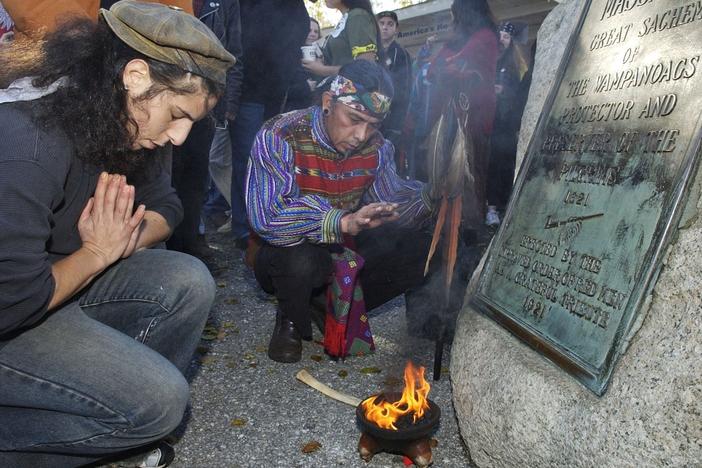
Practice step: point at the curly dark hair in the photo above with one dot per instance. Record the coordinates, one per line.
(469, 16)
(91, 108)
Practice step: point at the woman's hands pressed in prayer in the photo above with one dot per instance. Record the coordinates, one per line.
(108, 226)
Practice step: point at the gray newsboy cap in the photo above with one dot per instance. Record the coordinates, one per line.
(170, 35)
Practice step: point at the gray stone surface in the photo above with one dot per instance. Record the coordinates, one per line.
(248, 411)
(517, 409)
(551, 44)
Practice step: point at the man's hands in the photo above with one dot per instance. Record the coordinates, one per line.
(107, 226)
(369, 217)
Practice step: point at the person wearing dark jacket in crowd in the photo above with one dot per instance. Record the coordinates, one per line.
(399, 64)
(272, 33)
(191, 160)
(300, 92)
(507, 120)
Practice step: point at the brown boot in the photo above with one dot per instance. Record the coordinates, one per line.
(285, 344)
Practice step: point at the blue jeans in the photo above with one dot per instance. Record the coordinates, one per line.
(243, 133)
(104, 373)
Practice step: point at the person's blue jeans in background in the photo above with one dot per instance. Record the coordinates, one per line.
(104, 373)
(243, 133)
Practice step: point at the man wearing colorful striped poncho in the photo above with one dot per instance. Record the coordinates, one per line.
(333, 216)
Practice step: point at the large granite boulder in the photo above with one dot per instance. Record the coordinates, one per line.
(517, 409)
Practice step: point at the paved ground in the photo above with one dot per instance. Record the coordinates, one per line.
(249, 411)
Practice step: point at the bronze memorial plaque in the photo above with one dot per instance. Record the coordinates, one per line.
(602, 186)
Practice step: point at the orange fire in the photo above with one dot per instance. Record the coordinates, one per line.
(414, 401)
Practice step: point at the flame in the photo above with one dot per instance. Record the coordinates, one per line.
(414, 401)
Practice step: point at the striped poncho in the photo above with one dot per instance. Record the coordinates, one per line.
(298, 186)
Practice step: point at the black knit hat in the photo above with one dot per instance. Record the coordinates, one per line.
(507, 27)
(388, 14)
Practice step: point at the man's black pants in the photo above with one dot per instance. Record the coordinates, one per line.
(394, 262)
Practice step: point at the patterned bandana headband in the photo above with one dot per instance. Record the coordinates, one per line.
(355, 96)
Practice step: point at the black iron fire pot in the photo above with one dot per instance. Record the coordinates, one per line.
(412, 440)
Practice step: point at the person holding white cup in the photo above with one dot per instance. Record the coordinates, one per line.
(311, 50)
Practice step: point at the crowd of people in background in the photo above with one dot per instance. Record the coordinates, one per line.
(175, 118)
(209, 169)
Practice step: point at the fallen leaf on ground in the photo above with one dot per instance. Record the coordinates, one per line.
(237, 422)
(227, 324)
(221, 285)
(343, 374)
(249, 356)
(207, 360)
(316, 358)
(311, 447)
(261, 349)
(370, 370)
(231, 301)
(209, 333)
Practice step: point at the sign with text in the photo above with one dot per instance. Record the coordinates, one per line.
(602, 186)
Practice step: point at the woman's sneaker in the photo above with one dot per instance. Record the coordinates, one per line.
(160, 457)
(492, 218)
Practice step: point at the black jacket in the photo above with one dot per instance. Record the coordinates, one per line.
(272, 33)
(45, 187)
(399, 65)
(223, 18)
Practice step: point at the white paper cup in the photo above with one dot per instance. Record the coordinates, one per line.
(309, 52)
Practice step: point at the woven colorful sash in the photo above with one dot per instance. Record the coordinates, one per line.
(346, 328)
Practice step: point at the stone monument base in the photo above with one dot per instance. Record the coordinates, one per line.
(515, 408)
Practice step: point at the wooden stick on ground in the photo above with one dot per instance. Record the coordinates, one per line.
(306, 377)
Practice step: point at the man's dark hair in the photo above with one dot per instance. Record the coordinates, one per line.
(91, 108)
(371, 76)
(469, 16)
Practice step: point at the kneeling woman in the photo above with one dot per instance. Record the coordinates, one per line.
(96, 330)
